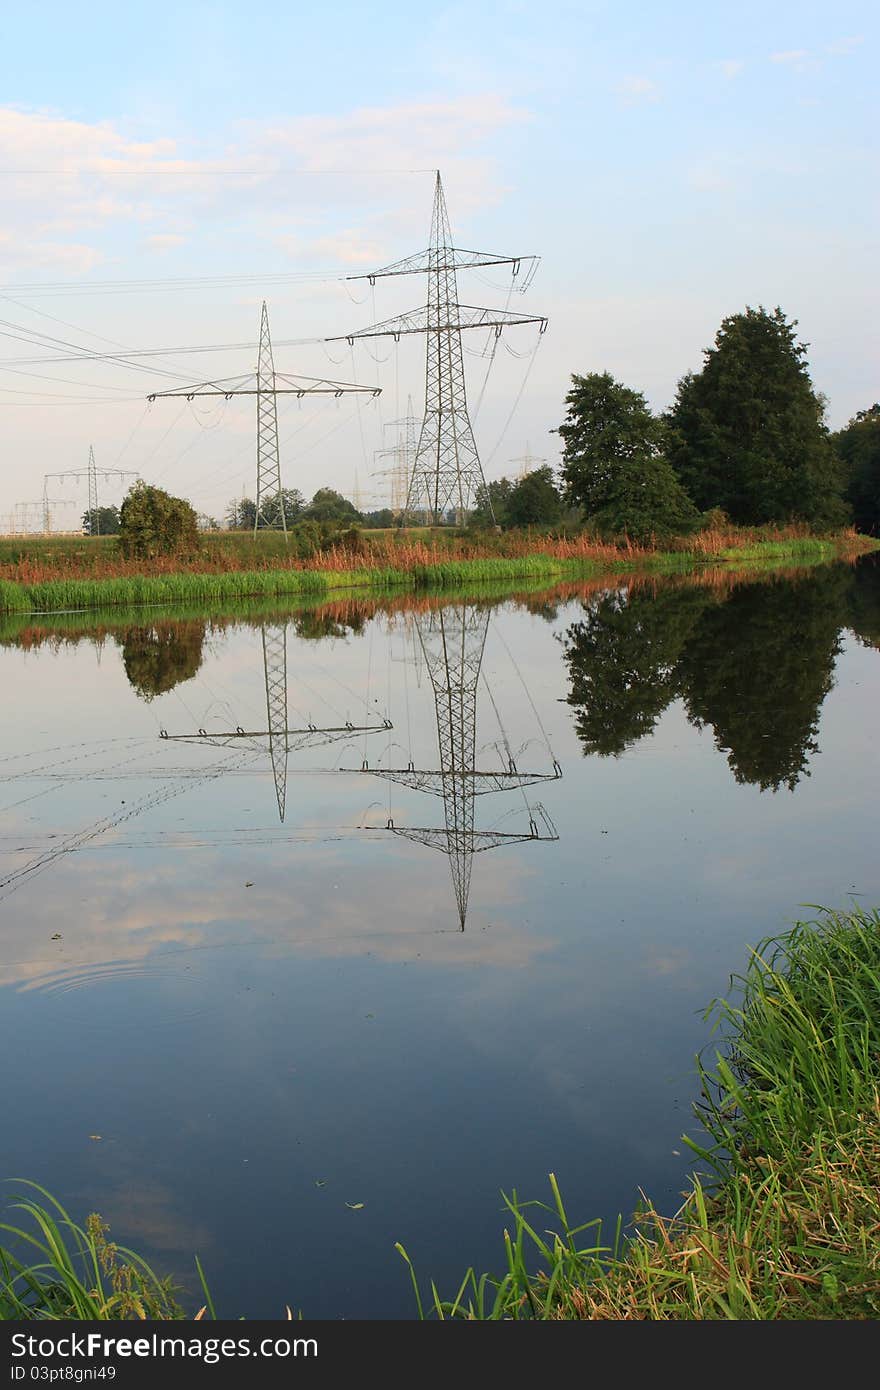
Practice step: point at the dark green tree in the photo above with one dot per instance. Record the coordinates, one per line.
(497, 492)
(329, 505)
(241, 512)
(101, 521)
(622, 660)
(152, 522)
(157, 657)
(534, 500)
(747, 432)
(612, 462)
(758, 668)
(858, 445)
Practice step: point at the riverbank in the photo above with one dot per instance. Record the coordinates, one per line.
(415, 569)
(781, 1226)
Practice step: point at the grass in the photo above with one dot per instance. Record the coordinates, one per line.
(783, 1226)
(51, 576)
(74, 1272)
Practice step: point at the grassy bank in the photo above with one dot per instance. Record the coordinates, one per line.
(415, 569)
(783, 1224)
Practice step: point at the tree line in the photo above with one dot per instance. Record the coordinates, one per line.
(745, 440)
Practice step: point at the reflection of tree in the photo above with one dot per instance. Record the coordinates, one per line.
(315, 625)
(755, 665)
(622, 661)
(758, 668)
(161, 655)
(864, 601)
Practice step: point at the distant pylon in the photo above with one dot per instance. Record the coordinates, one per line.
(267, 385)
(526, 463)
(447, 471)
(403, 455)
(268, 456)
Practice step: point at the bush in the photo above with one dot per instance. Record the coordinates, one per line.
(152, 522)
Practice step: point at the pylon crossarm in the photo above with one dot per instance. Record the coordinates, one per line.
(438, 783)
(236, 735)
(470, 841)
(421, 321)
(249, 386)
(454, 258)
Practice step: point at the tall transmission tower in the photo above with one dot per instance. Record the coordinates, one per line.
(267, 385)
(91, 473)
(452, 641)
(278, 735)
(446, 471)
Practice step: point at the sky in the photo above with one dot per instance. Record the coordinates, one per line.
(166, 168)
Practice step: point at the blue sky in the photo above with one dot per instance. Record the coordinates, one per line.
(668, 163)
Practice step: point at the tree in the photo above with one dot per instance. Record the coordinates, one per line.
(158, 657)
(241, 513)
(858, 445)
(491, 502)
(747, 432)
(101, 521)
(329, 505)
(534, 500)
(612, 461)
(152, 522)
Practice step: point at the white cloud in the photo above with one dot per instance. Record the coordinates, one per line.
(165, 241)
(841, 48)
(635, 89)
(730, 67)
(790, 55)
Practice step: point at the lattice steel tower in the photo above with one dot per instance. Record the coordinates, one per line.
(452, 641)
(267, 385)
(447, 469)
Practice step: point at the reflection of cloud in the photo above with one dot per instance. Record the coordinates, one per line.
(146, 1212)
(135, 921)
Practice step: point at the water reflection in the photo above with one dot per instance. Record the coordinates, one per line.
(452, 642)
(754, 664)
(158, 656)
(278, 737)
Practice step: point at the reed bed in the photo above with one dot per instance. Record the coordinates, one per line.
(390, 564)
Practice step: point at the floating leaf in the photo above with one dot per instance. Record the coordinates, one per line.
(320, 1182)
(95, 1136)
(355, 1206)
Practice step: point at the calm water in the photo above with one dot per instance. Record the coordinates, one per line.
(270, 1021)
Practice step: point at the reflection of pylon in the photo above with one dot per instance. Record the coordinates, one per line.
(282, 740)
(447, 471)
(452, 643)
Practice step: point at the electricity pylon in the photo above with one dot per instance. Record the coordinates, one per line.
(403, 455)
(267, 385)
(282, 740)
(526, 463)
(447, 471)
(452, 642)
(90, 473)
